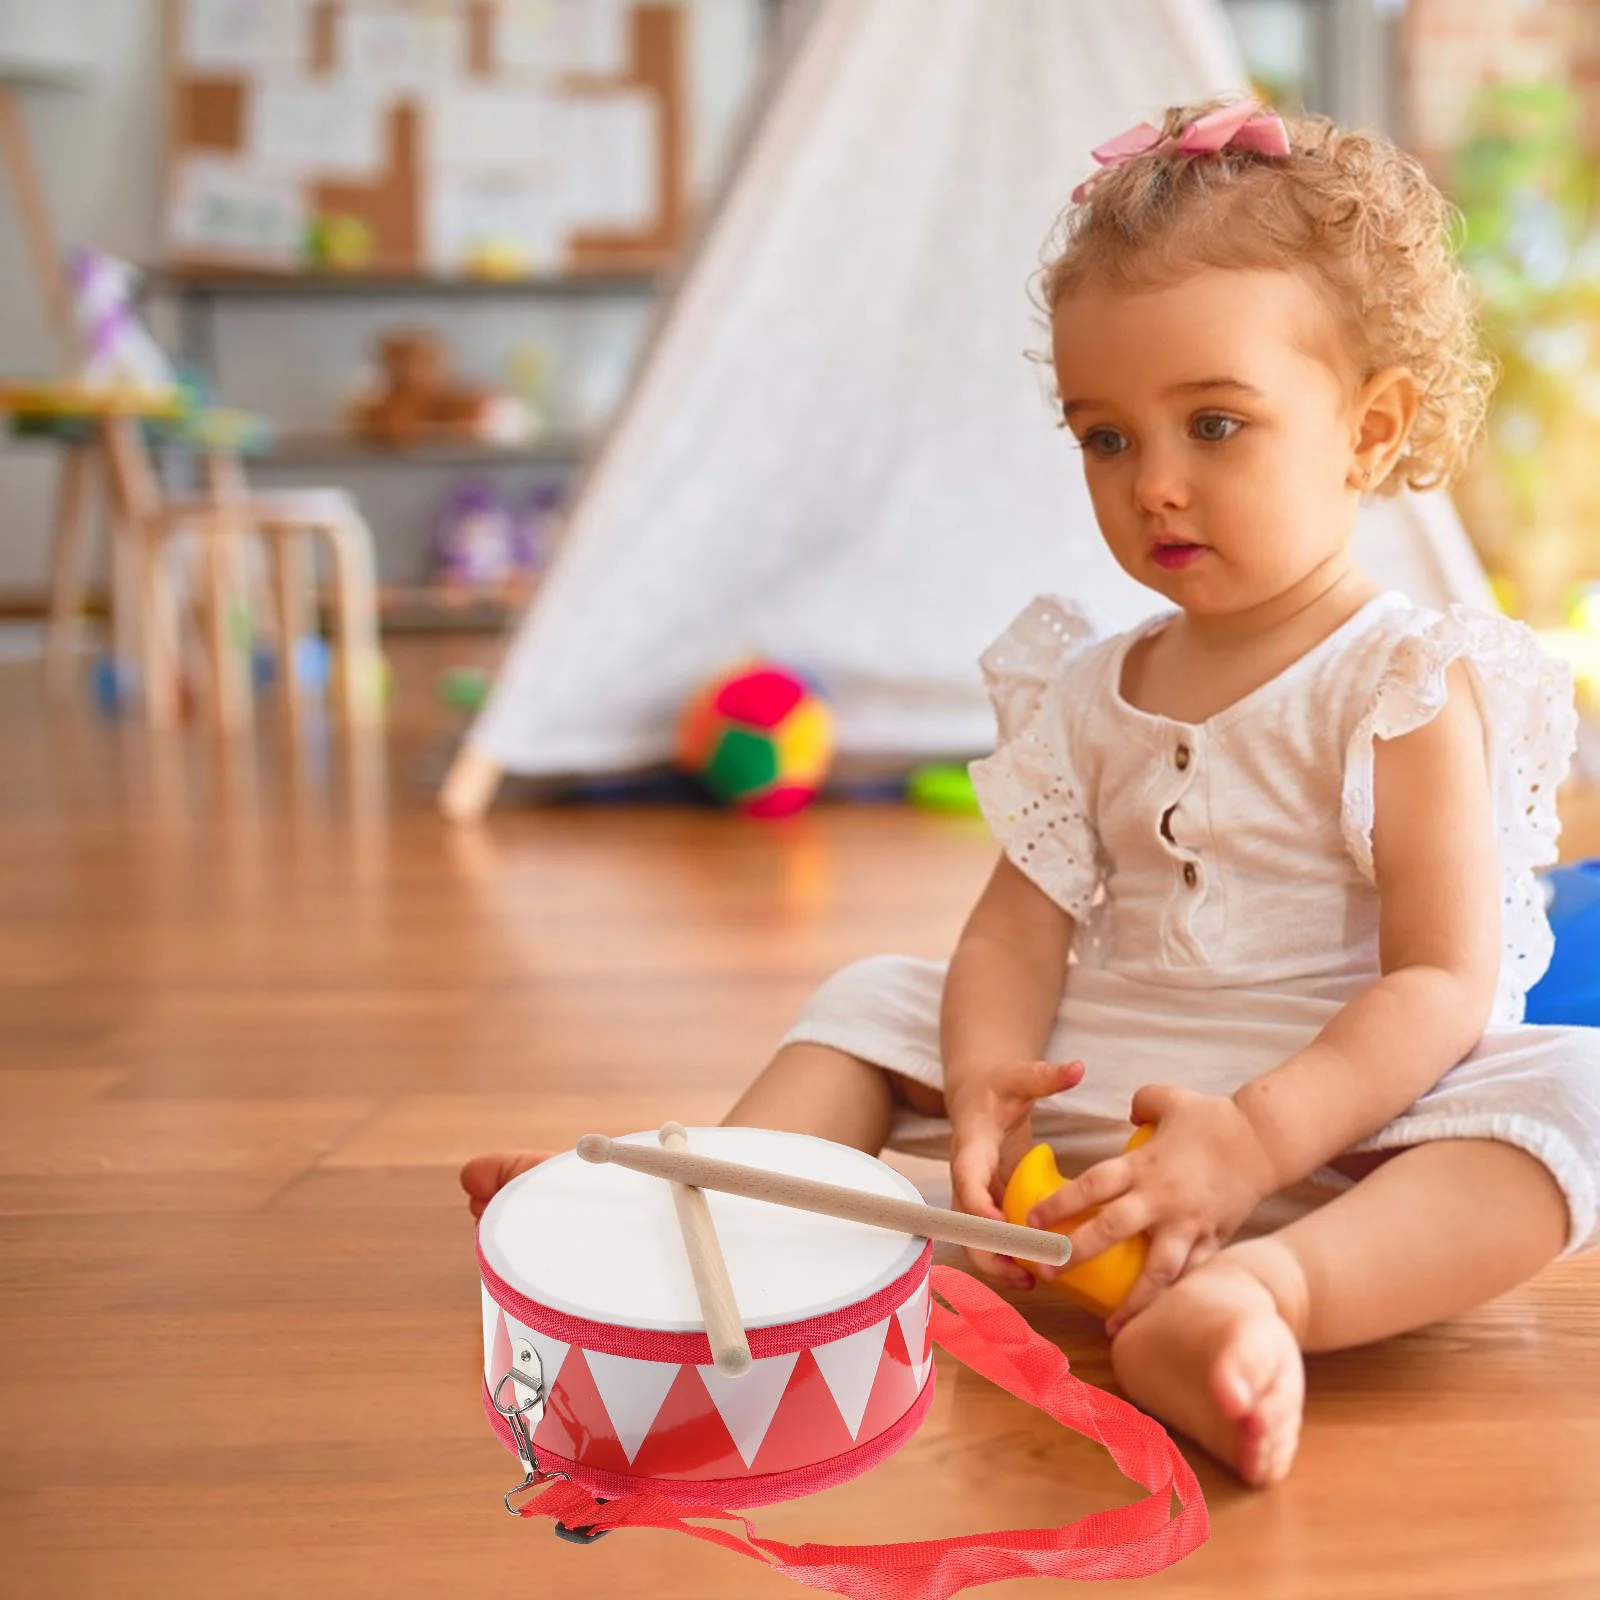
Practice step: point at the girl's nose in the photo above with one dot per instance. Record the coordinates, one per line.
(1160, 483)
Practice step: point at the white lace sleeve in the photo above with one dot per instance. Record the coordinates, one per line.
(1027, 789)
(1526, 701)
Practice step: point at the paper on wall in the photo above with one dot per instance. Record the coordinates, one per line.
(555, 37)
(401, 51)
(222, 209)
(501, 129)
(243, 35)
(331, 129)
(611, 160)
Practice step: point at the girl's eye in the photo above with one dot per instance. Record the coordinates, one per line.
(1103, 442)
(1214, 429)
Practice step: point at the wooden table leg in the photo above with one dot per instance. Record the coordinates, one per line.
(356, 612)
(230, 681)
(290, 585)
(66, 569)
(159, 662)
(135, 500)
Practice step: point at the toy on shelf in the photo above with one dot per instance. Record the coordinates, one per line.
(340, 242)
(115, 350)
(538, 513)
(475, 542)
(1101, 1283)
(497, 258)
(118, 369)
(417, 400)
(759, 739)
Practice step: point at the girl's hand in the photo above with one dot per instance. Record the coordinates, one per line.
(1189, 1186)
(991, 1129)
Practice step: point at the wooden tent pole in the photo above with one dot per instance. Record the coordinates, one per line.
(470, 787)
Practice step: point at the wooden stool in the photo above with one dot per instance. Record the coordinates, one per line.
(223, 520)
(145, 524)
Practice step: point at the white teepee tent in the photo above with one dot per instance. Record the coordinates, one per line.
(835, 454)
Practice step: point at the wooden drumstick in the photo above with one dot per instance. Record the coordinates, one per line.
(730, 1350)
(831, 1199)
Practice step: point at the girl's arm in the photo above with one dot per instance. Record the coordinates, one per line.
(1001, 995)
(1436, 866)
(1004, 983)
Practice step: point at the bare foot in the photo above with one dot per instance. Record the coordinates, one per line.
(484, 1177)
(1214, 1357)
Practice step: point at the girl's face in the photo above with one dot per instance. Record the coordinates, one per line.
(1218, 437)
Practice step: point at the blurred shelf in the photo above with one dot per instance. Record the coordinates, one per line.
(433, 608)
(240, 284)
(555, 448)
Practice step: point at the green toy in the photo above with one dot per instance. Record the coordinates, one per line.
(942, 788)
(464, 688)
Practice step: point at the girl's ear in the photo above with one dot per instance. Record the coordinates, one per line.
(1384, 411)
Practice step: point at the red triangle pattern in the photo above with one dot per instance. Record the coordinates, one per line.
(927, 1331)
(806, 1427)
(893, 1389)
(576, 1423)
(688, 1438)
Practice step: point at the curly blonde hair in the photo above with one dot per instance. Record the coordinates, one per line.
(1359, 215)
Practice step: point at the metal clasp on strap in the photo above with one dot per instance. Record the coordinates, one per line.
(523, 1415)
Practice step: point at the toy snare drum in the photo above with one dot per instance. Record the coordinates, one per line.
(586, 1285)
(598, 1372)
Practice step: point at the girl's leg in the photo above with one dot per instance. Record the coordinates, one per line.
(806, 1088)
(1439, 1229)
(811, 1088)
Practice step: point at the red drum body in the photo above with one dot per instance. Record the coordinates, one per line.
(592, 1329)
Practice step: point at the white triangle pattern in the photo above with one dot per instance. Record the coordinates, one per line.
(491, 1320)
(552, 1352)
(748, 1404)
(913, 1317)
(849, 1365)
(632, 1392)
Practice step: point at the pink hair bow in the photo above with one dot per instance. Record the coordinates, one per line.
(1239, 125)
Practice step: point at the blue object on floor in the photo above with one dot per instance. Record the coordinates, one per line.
(1569, 993)
(110, 686)
(263, 666)
(313, 661)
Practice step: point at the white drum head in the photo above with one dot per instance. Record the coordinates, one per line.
(603, 1242)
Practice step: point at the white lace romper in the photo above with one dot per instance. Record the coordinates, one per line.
(1220, 874)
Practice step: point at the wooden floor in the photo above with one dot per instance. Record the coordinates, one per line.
(254, 1011)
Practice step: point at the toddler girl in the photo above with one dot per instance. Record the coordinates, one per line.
(1268, 872)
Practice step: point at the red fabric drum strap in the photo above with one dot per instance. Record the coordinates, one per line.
(991, 1338)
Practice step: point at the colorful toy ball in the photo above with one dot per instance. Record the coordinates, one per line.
(759, 738)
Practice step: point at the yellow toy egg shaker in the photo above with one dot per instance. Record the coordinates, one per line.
(1101, 1283)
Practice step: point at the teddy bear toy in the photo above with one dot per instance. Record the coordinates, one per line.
(417, 399)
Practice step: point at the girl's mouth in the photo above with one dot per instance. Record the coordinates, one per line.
(1175, 555)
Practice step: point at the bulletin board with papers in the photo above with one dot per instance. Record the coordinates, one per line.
(442, 137)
